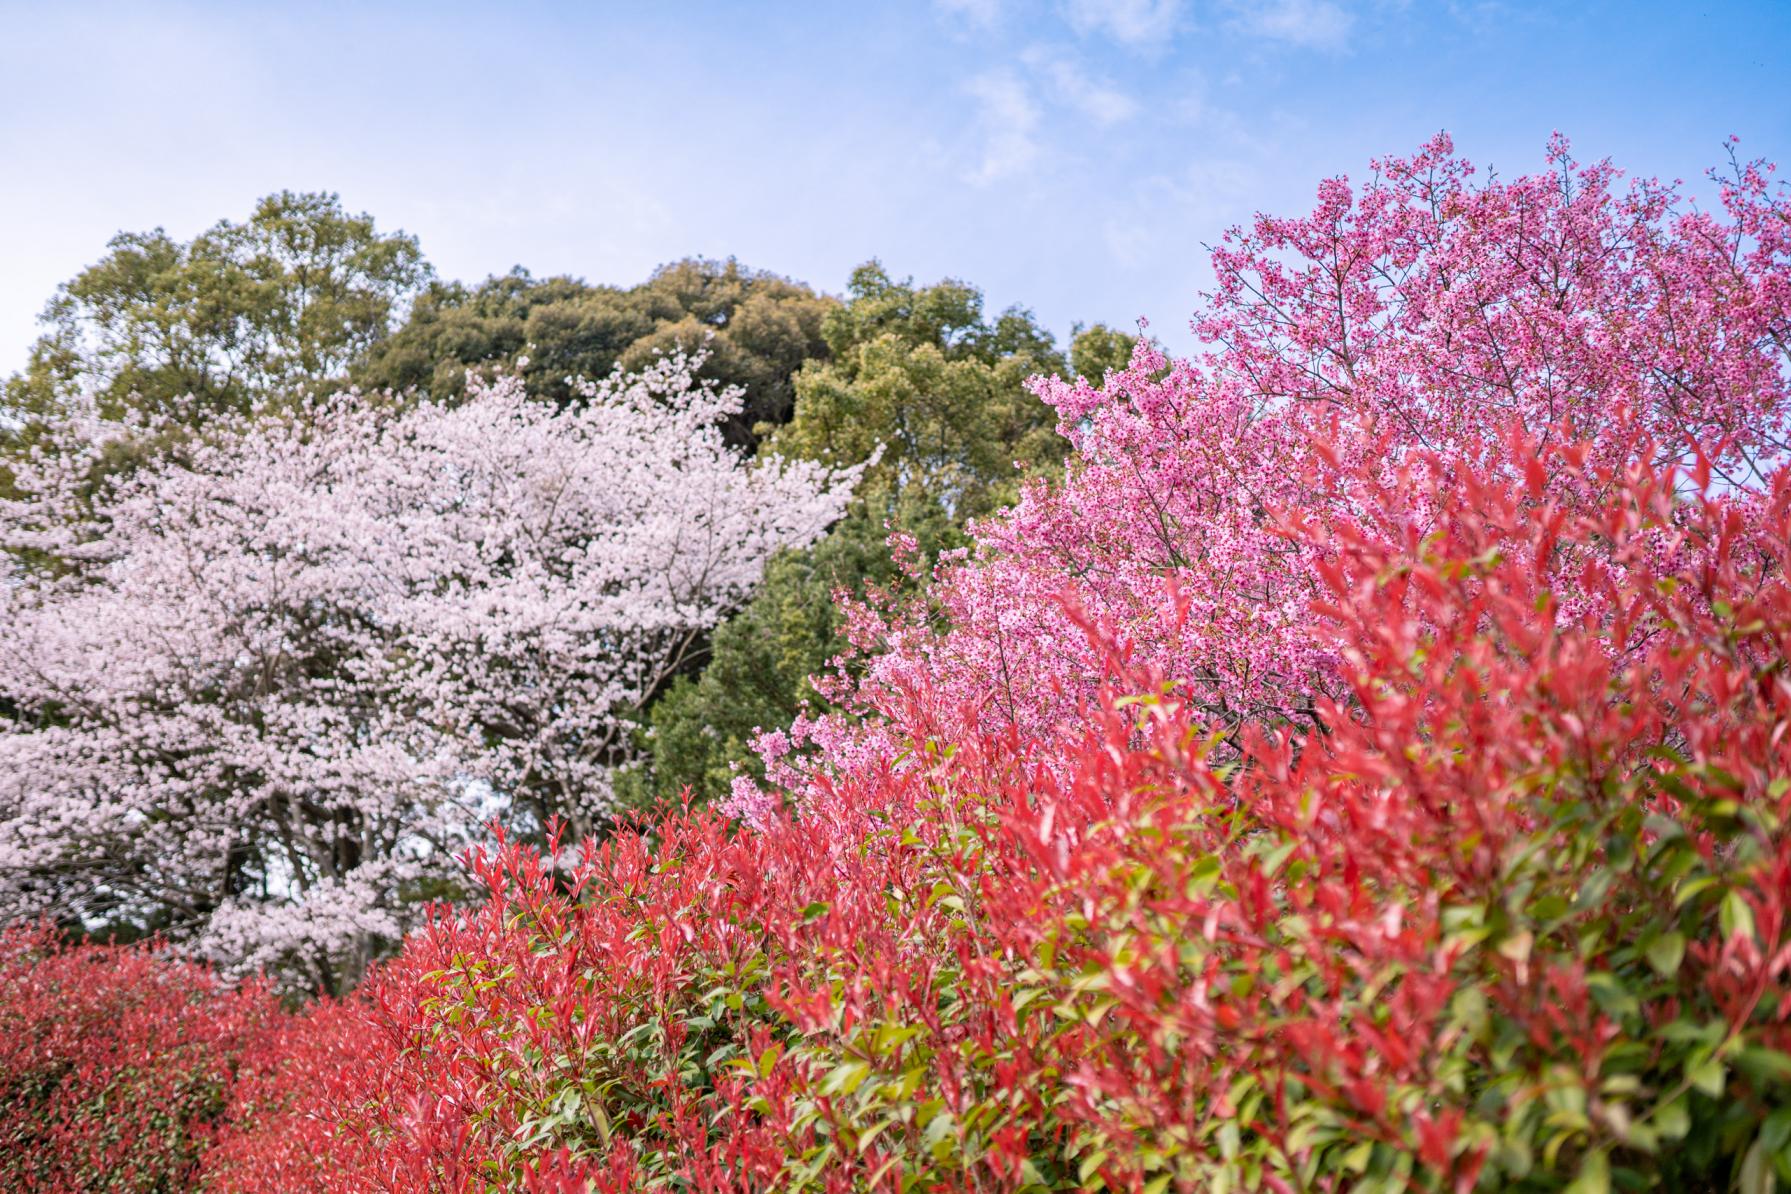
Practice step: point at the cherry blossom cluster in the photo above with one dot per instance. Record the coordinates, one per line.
(1421, 311)
(262, 687)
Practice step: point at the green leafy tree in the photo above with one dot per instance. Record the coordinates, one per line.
(921, 375)
(1097, 351)
(756, 327)
(283, 301)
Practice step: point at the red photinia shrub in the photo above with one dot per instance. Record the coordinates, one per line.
(275, 1135)
(1515, 915)
(115, 1063)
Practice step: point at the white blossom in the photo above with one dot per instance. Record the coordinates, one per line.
(263, 692)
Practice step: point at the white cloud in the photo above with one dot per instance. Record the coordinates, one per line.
(978, 14)
(1009, 119)
(1132, 22)
(1314, 24)
(1168, 215)
(1095, 98)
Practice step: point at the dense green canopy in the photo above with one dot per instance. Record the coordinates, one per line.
(285, 300)
(756, 327)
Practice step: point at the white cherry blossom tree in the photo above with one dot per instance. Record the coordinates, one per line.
(259, 693)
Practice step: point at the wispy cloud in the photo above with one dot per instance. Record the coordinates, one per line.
(1072, 85)
(1008, 119)
(1182, 208)
(979, 14)
(1312, 24)
(1136, 23)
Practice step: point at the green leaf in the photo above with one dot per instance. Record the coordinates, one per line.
(845, 1078)
(1756, 1171)
(1775, 1133)
(1611, 995)
(1673, 1120)
(869, 1136)
(934, 1138)
(1549, 907)
(1687, 1032)
(1090, 1165)
(1764, 1066)
(1707, 1076)
(1736, 916)
(1272, 860)
(1597, 884)
(1666, 952)
(1688, 891)
(1594, 1175)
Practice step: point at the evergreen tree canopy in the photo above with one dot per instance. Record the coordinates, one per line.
(756, 327)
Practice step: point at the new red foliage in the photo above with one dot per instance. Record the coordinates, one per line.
(1518, 913)
(114, 1063)
(278, 1131)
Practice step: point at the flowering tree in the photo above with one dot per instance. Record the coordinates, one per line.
(259, 695)
(1418, 313)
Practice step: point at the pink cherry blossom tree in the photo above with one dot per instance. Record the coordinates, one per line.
(1422, 311)
(260, 694)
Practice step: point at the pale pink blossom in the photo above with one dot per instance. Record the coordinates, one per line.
(262, 692)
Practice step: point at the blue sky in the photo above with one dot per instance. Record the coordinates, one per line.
(1068, 155)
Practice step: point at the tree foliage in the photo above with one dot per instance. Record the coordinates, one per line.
(921, 376)
(245, 312)
(753, 328)
(928, 393)
(764, 661)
